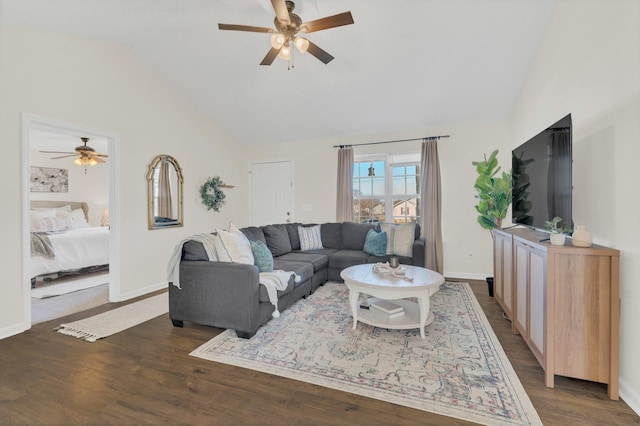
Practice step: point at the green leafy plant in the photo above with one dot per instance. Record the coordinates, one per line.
(552, 226)
(494, 192)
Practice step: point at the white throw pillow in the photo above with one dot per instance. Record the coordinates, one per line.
(76, 216)
(310, 238)
(233, 246)
(400, 238)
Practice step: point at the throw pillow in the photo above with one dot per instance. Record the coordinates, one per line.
(263, 258)
(310, 238)
(403, 238)
(233, 246)
(375, 243)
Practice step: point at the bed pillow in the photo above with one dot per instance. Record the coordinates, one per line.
(375, 243)
(263, 258)
(233, 246)
(50, 224)
(310, 238)
(76, 216)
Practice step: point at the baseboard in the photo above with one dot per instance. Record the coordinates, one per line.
(11, 331)
(142, 291)
(630, 396)
(466, 276)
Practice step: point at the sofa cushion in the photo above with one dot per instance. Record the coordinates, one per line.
(253, 233)
(310, 237)
(277, 239)
(194, 250)
(331, 234)
(263, 295)
(303, 269)
(354, 234)
(263, 258)
(375, 243)
(344, 258)
(294, 238)
(318, 260)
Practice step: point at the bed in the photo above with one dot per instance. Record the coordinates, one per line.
(63, 242)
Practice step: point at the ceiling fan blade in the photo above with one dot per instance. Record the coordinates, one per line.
(100, 155)
(249, 28)
(338, 20)
(57, 152)
(319, 53)
(65, 156)
(270, 57)
(282, 13)
(98, 159)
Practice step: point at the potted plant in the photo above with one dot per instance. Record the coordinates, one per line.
(557, 234)
(494, 196)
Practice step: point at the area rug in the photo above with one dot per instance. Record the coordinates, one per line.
(459, 369)
(70, 286)
(117, 320)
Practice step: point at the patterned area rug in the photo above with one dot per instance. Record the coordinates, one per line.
(459, 369)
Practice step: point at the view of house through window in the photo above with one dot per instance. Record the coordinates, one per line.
(387, 189)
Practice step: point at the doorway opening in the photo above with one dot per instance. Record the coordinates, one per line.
(69, 208)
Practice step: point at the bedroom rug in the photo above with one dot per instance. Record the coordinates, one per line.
(459, 370)
(117, 320)
(66, 286)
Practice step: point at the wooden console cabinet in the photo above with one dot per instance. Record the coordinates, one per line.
(564, 302)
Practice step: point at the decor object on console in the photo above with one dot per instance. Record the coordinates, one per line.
(164, 193)
(581, 237)
(557, 234)
(285, 36)
(212, 194)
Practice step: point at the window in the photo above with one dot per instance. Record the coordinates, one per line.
(386, 189)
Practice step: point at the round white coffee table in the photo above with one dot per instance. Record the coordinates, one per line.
(417, 282)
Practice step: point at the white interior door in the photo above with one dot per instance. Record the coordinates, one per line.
(271, 192)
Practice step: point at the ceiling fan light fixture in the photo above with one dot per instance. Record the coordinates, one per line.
(302, 44)
(285, 52)
(278, 40)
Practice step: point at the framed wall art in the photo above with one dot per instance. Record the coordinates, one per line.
(47, 179)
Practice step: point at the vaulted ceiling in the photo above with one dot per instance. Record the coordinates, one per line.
(403, 65)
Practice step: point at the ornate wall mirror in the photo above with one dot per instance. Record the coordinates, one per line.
(164, 192)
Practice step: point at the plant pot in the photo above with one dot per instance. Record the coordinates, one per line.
(490, 286)
(557, 239)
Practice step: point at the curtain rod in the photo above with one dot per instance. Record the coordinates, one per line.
(426, 138)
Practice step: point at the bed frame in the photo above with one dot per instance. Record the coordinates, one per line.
(39, 204)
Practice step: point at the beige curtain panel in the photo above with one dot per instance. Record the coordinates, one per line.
(431, 202)
(344, 201)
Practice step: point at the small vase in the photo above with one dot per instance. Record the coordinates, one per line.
(557, 239)
(581, 237)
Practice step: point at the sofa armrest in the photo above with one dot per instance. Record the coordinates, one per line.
(419, 252)
(220, 294)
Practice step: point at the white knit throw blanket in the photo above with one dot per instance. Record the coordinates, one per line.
(173, 268)
(274, 281)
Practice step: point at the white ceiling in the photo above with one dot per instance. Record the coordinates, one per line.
(403, 65)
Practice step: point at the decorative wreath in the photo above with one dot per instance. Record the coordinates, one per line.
(211, 193)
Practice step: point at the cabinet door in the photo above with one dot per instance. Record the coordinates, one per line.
(522, 289)
(507, 280)
(537, 297)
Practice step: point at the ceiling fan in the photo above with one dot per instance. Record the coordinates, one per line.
(86, 156)
(287, 26)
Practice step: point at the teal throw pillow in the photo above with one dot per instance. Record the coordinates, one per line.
(262, 256)
(375, 243)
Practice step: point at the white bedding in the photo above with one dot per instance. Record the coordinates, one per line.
(74, 249)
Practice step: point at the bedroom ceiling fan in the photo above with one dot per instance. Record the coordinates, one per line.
(285, 36)
(86, 156)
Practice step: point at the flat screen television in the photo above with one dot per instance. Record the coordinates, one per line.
(541, 169)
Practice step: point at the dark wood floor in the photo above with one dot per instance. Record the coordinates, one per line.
(144, 375)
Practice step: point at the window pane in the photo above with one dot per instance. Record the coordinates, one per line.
(406, 210)
(399, 186)
(368, 210)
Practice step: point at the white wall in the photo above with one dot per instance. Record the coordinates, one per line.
(104, 86)
(589, 65)
(315, 165)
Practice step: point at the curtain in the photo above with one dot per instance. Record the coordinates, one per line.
(164, 190)
(559, 198)
(431, 203)
(344, 201)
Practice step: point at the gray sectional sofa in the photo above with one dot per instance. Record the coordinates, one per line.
(228, 295)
